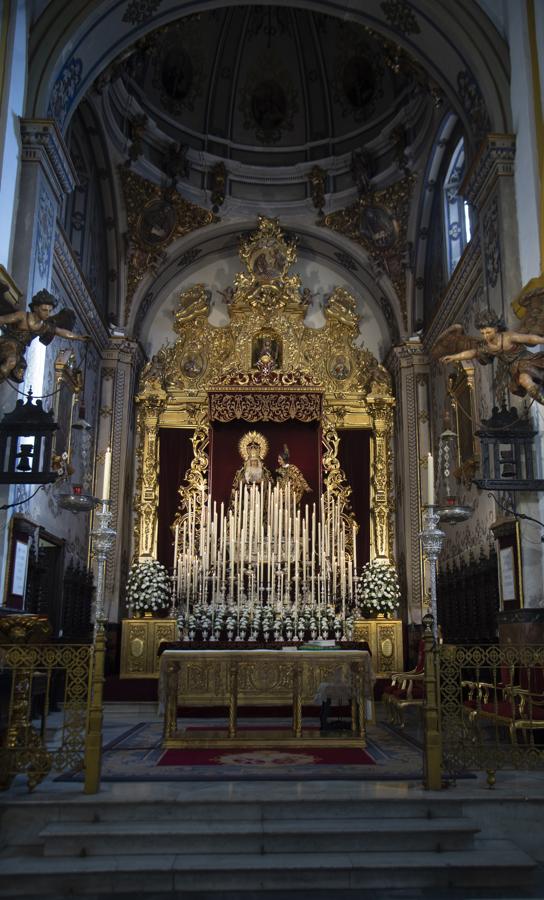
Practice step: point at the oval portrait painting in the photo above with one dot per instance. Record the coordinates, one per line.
(157, 222)
(378, 226)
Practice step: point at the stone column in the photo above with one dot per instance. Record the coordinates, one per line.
(121, 362)
(410, 367)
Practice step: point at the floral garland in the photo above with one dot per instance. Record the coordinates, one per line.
(148, 587)
(377, 589)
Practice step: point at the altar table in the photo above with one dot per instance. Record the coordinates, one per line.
(253, 677)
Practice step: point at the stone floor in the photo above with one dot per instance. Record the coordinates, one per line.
(513, 809)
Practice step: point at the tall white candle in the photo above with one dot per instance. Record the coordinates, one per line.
(107, 475)
(430, 479)
(176, 543)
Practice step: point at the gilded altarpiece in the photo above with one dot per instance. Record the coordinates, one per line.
(266, 365)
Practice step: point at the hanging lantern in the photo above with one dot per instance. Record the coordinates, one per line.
(78, 497)
(26, 435)
(507, 452)
(448, 505)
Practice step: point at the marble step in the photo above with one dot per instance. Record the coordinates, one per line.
(126, 808)
(491, 864)
(286, 836)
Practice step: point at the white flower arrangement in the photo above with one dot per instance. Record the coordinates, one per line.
(149, 588)
(377, 589)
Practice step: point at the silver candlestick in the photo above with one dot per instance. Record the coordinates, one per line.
(103, 538)
(432, 539)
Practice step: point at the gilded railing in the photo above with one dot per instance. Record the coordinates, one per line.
(483, 709)
(50, 727)
(492, 707)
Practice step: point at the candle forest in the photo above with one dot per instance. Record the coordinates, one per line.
(265, 551)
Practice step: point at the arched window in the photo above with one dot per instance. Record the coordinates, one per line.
(457, 227)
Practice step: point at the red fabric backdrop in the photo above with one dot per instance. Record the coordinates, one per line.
(354, 456)
(304, 442)
(175, 456)
(302, 438)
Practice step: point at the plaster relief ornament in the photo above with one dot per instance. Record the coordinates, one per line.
(519, 371)
(20, 329)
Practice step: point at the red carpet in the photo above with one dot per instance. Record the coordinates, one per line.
(275, 757)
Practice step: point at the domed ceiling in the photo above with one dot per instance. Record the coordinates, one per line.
(271, 85)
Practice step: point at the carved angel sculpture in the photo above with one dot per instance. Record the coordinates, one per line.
(519, 371)
(20, 329)
(530, 309)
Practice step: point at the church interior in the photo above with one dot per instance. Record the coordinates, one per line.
(271, 449)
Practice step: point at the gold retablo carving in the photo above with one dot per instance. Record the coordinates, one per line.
(266, 364)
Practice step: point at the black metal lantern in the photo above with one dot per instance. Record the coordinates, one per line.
(507, 453)
(26, 435)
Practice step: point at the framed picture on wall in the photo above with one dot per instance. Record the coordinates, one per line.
(21, 532)
(507, 537)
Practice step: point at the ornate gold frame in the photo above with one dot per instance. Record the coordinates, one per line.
(208, 373)
(461, 388)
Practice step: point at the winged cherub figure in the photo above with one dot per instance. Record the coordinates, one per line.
(519, 371)
(20, 329)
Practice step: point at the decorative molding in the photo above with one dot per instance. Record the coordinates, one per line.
(44, 234)
(494, 160)
(42, 143)
(492, 243)
(138, 12)
(473, 103)
(65, 89)
(462, 283)
(400, 16)
(268, 406)
(77, 289)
